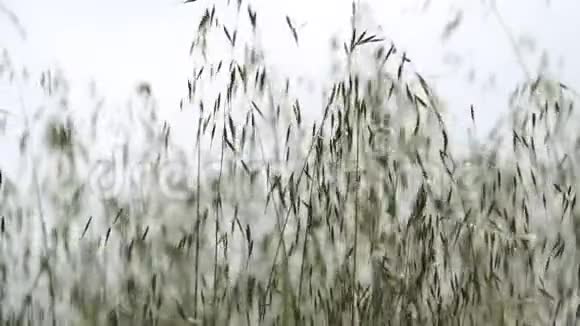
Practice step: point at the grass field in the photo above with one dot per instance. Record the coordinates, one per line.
(363, 213)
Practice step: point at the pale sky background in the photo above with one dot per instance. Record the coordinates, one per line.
(121, 42)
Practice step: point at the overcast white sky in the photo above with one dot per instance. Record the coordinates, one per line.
(120, 42)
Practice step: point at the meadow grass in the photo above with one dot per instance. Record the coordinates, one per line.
(358, 212)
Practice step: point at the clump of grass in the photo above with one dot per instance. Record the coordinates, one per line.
(363, 216)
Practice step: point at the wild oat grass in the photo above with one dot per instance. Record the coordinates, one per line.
(364, 215)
